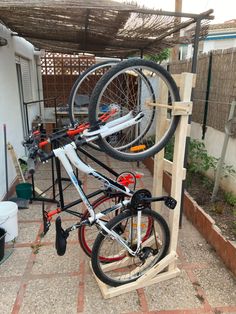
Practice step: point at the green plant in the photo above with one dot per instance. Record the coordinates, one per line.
(158, 58)
(169, 150)
(228, 170)
(230, 198)
(207, 182)
(198, 159)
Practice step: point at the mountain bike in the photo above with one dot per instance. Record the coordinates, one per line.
(86, 237)
(136, 234)
(126, 85)
(130, 86)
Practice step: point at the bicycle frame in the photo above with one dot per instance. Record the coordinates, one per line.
(66, 155)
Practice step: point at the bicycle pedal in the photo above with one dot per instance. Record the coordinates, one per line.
(46, 222)
(170, 202)
(61, 236)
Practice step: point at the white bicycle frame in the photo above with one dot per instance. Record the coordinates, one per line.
(113, 126)
(67, 155)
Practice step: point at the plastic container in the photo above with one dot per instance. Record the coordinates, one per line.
(2, 242)
(24, 190)
(8, 219)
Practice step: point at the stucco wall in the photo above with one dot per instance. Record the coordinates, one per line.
(219, 44)
(10, 112)
(214, 141)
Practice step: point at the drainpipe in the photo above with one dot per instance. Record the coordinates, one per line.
(37, 55)
(204, 127)
(37, 75)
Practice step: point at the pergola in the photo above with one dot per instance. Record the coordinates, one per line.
(104, 28)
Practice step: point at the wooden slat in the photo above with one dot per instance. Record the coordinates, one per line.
(16, 163)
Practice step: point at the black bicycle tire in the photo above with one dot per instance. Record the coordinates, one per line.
(94, 103)
(81, 77)
(81, 233)
(127, 213)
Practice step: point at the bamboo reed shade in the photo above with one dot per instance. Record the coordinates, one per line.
(103, 28)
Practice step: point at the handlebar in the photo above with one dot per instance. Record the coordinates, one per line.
(36, 141)
(31, 165)
(45, 157)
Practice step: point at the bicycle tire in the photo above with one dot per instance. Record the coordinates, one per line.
(88, 234)
(80, 80)
(105, 86)
(134, 267)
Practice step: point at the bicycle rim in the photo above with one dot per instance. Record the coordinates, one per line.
(83, 86)
(130, 268)
(129, 85)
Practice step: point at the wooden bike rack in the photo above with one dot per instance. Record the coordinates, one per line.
(167, 267)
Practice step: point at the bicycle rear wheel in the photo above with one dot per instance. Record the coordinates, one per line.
(88, 234)
(128, 85)
(130, 268)
(82, 89)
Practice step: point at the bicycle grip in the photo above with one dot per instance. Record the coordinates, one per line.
(31, 165)
(44, 156)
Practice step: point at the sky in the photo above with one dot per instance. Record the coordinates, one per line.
(223, 9)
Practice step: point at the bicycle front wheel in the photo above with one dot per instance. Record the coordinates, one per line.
(153, 248)
(127, 86)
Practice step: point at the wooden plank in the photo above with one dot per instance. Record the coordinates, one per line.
(178, 161)
(151, 273)
(168, 165)
(19, 172)
(178, 108)
(178, 79)
(110, 292)
(16, 163)
(159, 158)
(150, 277)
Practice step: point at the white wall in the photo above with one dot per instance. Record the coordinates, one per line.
(214, 141)
(10, 113)
(219, 44)
(207, 45)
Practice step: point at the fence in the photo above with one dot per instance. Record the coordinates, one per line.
(221, 80)
(59, 71)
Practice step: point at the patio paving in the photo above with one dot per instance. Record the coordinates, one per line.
(34, 279)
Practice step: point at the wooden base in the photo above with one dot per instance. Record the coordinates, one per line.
(154, 275)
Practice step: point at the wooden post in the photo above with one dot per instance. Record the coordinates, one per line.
(178, 171)
(159, 158)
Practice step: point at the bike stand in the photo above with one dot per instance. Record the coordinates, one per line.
(41, 197)
(167, 267)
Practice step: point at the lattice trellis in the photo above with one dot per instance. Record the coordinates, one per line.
(59, 71)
